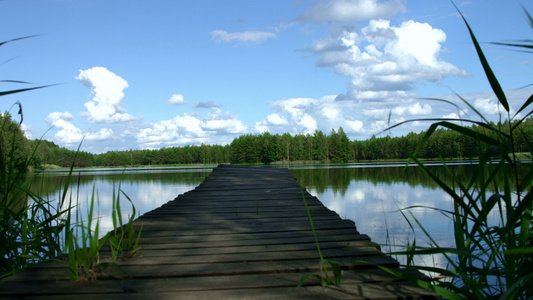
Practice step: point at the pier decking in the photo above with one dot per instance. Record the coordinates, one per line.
(242, 234)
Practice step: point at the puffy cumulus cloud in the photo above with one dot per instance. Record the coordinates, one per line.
(214, 128)
(103, 134)
(306, 115)
(419, 40)
(384, 61)
(487, 106)
(415, 109)
(56, 116)
(359, 119)
(276, 120)
(486, 103)
(307, 123)
(27, 129)
(223, 124)
(452, 116)
(243, 37)
(176, 99)
(69, 134)
(298, 111)
(350, 10)
(179, 130)
(107, 94)
(271, 121)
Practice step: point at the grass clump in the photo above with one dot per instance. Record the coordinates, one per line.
(34, 228)
(124, 241)
(84, 244)
(30, 226)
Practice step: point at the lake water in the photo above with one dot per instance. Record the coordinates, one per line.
(370, 194)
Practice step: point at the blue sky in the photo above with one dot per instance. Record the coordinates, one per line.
(151, 74)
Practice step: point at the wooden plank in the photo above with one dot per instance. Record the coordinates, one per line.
(177, 267)
(181, 284)
(243, 233)
(215, 241)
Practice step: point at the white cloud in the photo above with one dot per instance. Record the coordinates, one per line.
(176, 99)
(384, 61)
(308, 124)
(350, 10)
(107, 93)
(412, 110)
(223, 124)
(272, 120)
(487, 106)
(243, 37)
(69, 134)
(215, 128)
(419, 40)
(451, 116)
(55, 116)
(305, 115)
(103, 134)
(276, 120)
(359, 119)
(27, 129)
(331, 113)
(355, 126)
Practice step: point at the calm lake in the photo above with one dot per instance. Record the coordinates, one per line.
(370, 194)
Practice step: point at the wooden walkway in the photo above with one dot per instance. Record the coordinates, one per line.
(242, 234)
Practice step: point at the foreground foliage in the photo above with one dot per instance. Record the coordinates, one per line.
(34, 228)
(30, 226)
(493, 252)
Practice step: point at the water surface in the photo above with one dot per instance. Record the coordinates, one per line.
(370, 194)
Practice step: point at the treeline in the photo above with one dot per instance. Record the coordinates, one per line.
(263, 148)
(203, 154)
(51, 154)
(337, 148)
(266, 148)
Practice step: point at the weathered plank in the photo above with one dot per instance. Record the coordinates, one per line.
(243, 233)
(262, 286)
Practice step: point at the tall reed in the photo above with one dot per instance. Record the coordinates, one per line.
(30, 226)
(323, 276)
(34, 228)
(492, 222)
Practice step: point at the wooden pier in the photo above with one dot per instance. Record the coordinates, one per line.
(242, 234)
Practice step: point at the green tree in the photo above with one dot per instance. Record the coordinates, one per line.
(320, 146)
(14, 147)
(268, 149)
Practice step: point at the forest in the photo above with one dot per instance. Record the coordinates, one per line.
(264, 148)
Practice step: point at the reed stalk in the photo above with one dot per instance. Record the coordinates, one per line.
(492, 223)
(323, 276)
(34, 228)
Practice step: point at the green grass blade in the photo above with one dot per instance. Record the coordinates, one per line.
(4, 93)
(524, 106)
(17, 39)
(422, 283)
(496, 87)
